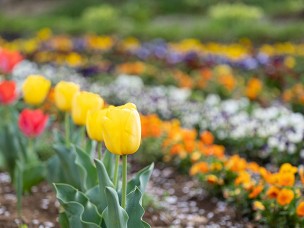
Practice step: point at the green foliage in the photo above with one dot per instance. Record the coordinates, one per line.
(234, 12)
(99, 205)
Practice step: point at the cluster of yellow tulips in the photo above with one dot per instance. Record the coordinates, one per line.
(118, 127)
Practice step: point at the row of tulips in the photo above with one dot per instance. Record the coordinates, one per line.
(93, 190)
(269, 196)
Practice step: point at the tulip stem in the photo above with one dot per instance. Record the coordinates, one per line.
(116, 170)
(99, 150)
(83, 137)
(124, 181)
(67, 129)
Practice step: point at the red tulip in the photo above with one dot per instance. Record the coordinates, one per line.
(32, 122)
(8, 60)
(8, 92)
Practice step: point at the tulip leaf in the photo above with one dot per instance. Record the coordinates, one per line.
(114, 215)
(103, 181)
(141, 179)
(63, 220)
(94, 196)
(69, 168)
(87, 169)
(78, 209)
(135, 209)
(108, 161)
(54, 173)
(32, 175)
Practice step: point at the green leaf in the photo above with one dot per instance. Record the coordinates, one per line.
(109, 161)
(87, 170)
(68, 167)
(63, 220)
(141, 179)
(54, 172)
(103, 181)
(33, 174)
(94, 196)
(114, 215)
(81, 213)
(135, 209)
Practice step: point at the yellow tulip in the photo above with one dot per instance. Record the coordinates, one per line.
(35, 89)
(83, 102)
(64, 93)
(122, 129)
(94, 124)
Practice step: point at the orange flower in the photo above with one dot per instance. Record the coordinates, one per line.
(176, 149)
(200, 167)
(300, 209)
(301, 173)
(256, 191)
(242, 178)
(253, 166)
(236, 163)
(228, 81)
(212, 179)
(273, 192)
(286, 179)
(285, 197)
(207, 137)
(288, 168)
(254, 88)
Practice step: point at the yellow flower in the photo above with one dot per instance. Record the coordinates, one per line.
(94, 124)
(35, 89)
(258, 206)
(64, 93)
(122, 129)
(83, 102)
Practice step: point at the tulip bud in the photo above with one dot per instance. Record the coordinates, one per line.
(122, 129)
(64, 93)
(32, 122)
(83, 102)
(35, 89)
(94, 124)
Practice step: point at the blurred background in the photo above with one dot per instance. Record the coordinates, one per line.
(216, 20)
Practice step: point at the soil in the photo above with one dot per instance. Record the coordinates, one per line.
(178, 201)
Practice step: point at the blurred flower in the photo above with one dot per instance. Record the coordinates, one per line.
(300, 209)
(207, 137)
(256, 191)
(285, 196)
(64, 93)
(254, 88)
(8, 60)
(35, 89)
(32, 122)
(258, 206)
(273, 192)
(8, 93)
(200, 167)
(83, 102)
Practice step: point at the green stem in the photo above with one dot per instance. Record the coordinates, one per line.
(124, 181)
(116, 170)
(99, 150)
(67, 129)
(83, 137)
